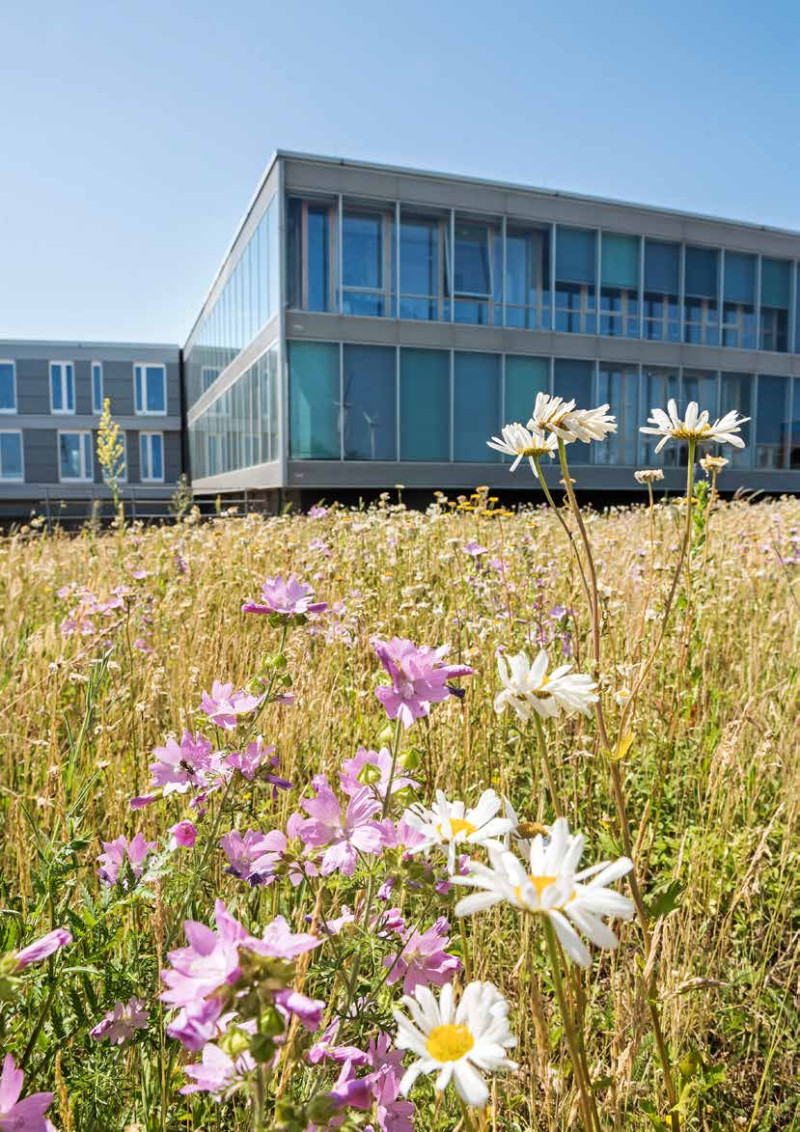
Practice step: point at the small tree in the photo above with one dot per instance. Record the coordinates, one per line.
(110, 452)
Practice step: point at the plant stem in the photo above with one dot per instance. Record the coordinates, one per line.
(548, 769)
(590, 1117)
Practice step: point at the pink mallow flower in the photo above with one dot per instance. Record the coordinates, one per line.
(111, 861)
(121, 1023)
(182, 835)
(183, 766)
(26, 1115)
(41, 949)
(423, 960)
(254, 856)
(343, 835)
(372, 769)
(291, 598)
(224, 706)
(419, 678)
(216, 1071)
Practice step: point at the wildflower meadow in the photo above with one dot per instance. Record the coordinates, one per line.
(467, 818)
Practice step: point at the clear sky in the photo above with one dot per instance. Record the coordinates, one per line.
(133, 132)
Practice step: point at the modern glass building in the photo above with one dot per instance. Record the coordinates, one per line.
(373, 326)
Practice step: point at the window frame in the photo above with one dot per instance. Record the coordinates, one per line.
(15, 409)
(81, 432)
(149, 434)
(142, 411)
(21, 477)
(96, 411)
(61, 412)
(383, 293)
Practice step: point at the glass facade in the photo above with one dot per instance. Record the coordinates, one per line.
(619, 285)
(11, 465)
(662, 287)
(776, 277)
(8, 387)
(247, 301)
(575, 286)
(772, 416)
(240, 427)
(701, 303)
(527, 279)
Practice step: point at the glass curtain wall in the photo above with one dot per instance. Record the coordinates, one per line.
(575, 288)
(476, 406)
(660, 384)
(618, 386)
(619, 285)
(315, 401)
(739, 301)
(425, 405)
(527, 279)
(736, 392)
(240, 428)
(368, 261)
(662, 274)
(775, 300)
(425, 286)
(701, 303)
(248, 300)
(369, 403)
(772, 416)
(478, 272)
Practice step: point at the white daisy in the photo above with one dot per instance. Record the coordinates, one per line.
(592, 424)
(450, 824)
(527, 688)
(695, 426)
(456, 1044)
(648, 475)
(518, 441)
(562, 419)
(548, 884)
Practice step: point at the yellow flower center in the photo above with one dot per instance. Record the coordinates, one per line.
(540, 884)
(534, 450)
(449, 1042)
(458, 825)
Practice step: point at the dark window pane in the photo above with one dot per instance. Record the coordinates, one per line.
(424, 405)
(476, 406)
(370, 403)
(314, 401)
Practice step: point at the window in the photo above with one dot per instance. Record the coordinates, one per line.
(739, 301)
(701, 307)
(97, 387)
(366, 263)
(662, 312)
(424, 405)
(11, 463)
(619, 285)
(151, 457)
(736, 393)
(314, 401)
(576, 298)
(618, 386)
(8, 387)
(527, 283)
(310, 255)
(573, 381)
(150, 388)
(794, 426)
(524, 377)
(476, 406)
(772, 415)
(659, 387)
(369, 404)
(424, 268)
(62, 387)
(477, 272)
(775, 299)
(208, 375)
(75, 456)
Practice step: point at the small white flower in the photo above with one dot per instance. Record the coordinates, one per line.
(547, 884)
(450, 824)
(622, 695)
(561, 418)
(527, 688)
(521, 442)
(713, 463)
(695, 426)
(648, 475)
(456, 1043)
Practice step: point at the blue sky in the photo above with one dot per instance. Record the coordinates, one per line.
(132, 134)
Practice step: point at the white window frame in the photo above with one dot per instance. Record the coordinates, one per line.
(97, 409)
(62, 412)
(82, 432)
(13, 364)
(142, 411)
(20, 478)
(151, 479)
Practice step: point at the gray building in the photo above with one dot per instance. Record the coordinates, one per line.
(372, 326)
(51, 398)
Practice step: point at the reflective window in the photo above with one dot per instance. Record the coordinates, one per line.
(209, 376)
(62, 387)
(424, 270)
(75, 456)
(619, 285)
(424, 405)
(97, 387)
(11, 467)
(794, 426)
(775, 299)
(369, 407)
(524, 378)
(573, 381)
(366, 262)
(662, 312)
(772, 416)
(477, 269)
(151, 457)
(701, 288)
(527, 283)
(739, 305)
(618, 386)
(476, 406)
(8, 387)
(314, 401)
(659, 386)
(736, 393)
(150, 388)
(575, 288)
